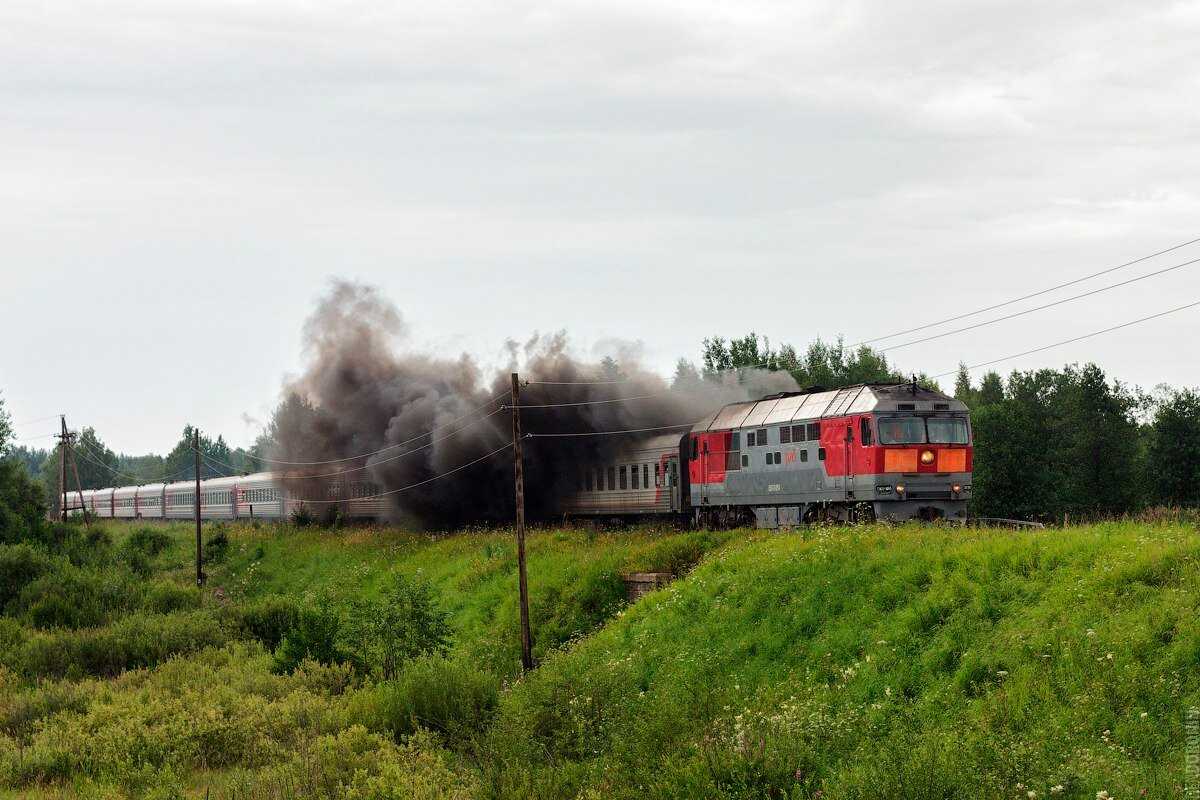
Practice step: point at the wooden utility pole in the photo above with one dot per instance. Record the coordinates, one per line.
(519, 480)
(199, 545)
(79, 489)
(62, 469)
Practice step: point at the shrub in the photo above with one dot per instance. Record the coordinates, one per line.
(302, 517)
(449, 697)
(268, 620)
(216, 546)
(74, 598)
(314, 637)
(135, 641)
(402, 624)
(163, 597)
(137, 562)
(150, 541)
(678, 554)
(20, 565)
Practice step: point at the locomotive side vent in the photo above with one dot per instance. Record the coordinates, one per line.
(906, 406)
(941, 406)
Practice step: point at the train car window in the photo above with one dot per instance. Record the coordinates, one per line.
(745, 461)
(947, 430)
(804, 455)
(657, 477)
(762, 436)
(797, 433)
(785, 435)
(814, 431)
(865, 424)
(732, 458)
(695, 448)
(600, 480)
(624, 484)
(645, 476)
(820, 454)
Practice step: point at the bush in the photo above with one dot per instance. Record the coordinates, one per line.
(20, 565)
(136, 641)
(150, 541)
(216, 547)
(73, 598)
(137, 562)
(314, 637)
(164, 597)
(302, 517)
(402, 624)
(449, 697)
(268, 620)
(678, 554)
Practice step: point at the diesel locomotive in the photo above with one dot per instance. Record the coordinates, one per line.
(859, 453)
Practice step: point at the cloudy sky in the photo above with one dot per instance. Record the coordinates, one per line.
(182, 179)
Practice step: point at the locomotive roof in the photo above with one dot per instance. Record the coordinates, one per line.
(818, 403)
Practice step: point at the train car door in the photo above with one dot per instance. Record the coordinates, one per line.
(849, 479)
(673, 481)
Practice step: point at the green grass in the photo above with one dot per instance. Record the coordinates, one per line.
(915, 662)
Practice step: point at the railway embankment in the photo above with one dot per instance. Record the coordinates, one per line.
(860, 663)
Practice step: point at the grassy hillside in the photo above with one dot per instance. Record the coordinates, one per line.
(832, 663)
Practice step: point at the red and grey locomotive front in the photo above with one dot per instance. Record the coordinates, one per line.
(891, 452)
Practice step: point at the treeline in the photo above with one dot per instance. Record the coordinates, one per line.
(1049, 443)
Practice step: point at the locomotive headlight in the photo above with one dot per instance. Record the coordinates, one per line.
(899, 488)
(956, 488)
(926, 456)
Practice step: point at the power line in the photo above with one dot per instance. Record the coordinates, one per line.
(1072, 340)
(413, 485)
(608, 433)
(1027, 296)
(384, 449)
(382, 460)
(590, 402)
(32, 421)
(1037, 308)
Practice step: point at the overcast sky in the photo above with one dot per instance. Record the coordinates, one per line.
(179, 181)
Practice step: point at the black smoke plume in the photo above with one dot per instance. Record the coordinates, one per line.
(361, 392)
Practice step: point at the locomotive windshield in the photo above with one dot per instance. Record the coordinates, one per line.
(912, 430)
(902, 430)
(947, 430)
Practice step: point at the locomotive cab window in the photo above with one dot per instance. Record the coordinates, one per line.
(947, 430)
(901, 430)
(865, 438)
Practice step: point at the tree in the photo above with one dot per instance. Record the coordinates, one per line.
(22, 500)
(687, 377)
(1057, 442)
(403, 624)
(1174, 449)
(6, 427)
(991, 389)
